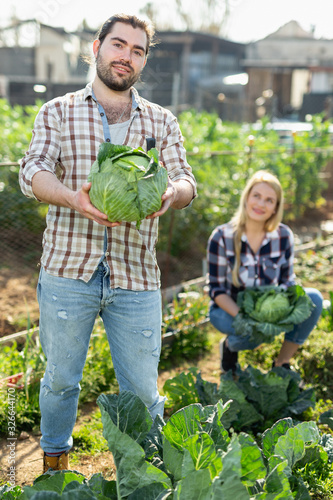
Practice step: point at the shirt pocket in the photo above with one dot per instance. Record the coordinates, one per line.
(272, 269)
(246, 270)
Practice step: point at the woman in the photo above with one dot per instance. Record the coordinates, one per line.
(254, 249)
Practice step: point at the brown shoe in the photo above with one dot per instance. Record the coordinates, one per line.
(56, 463)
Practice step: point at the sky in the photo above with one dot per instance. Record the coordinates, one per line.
(249, 20)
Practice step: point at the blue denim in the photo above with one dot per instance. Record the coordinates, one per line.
(223, 322)
(68, 309)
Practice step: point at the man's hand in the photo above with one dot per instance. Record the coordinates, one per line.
(82, 204)
(178, 194)
(168, 198)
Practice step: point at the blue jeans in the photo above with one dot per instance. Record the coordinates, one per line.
(223, 322)
(68, 309)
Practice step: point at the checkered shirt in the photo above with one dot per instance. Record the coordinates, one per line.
(67, 133)
(271, 265)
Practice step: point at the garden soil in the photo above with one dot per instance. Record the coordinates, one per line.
(29, 457)
(18, 299)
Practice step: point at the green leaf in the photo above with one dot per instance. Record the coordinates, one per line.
(292, 444)
(242, 413)
(128, 414)
(302, 310)
(183, 424)
(327, 418)
(231, 460)
(232, 487)
(203, 453)
(181, 390)
(196, 485)
(81, 492)
(108, 150)
(212, 424)
(326, 441)
(271, 436)
(252, 463)
(101, 487)
(173, 459)
(277, 485)
(305, 400)
(47, 495)
(55, 482)
(150, 190)
(266, 391)
(155, 491)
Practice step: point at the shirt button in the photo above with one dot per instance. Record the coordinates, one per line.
(102, 114)
(107, 253)
(107, 140)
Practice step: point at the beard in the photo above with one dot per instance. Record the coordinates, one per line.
(112, 81)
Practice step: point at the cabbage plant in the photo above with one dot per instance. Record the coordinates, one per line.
(266, 311)
(127, 184)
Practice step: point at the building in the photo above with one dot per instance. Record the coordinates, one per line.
(184, 69)
(290, 74)
(190, 69)
(39, 62)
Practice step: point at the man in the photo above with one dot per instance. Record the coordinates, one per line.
(89, 265)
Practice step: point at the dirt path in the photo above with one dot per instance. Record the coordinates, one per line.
(29, 460)
(28, 454)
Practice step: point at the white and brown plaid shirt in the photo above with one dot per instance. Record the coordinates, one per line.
(67, 133)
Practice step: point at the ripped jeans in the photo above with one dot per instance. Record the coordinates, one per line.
(68, 309)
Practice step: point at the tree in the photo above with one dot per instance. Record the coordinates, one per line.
(209, 16)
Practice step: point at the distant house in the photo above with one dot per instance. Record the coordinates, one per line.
(39, 61)
(290, 74)
(287, 74)
(184, 69)
(190, 69)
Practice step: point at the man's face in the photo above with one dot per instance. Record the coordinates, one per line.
(121, 57)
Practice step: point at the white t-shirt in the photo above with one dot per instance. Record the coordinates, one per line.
(118, 132)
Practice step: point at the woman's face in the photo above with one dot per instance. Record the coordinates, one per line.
(261, 202)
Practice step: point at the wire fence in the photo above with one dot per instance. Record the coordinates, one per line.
(22, 221)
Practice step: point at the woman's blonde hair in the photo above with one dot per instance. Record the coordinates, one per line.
(240, 217)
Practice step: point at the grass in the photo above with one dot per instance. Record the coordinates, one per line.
(88, 438)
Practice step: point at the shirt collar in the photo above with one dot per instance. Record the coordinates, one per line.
(268, 236)
(136, 99)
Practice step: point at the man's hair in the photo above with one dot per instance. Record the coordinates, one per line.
(133, 21)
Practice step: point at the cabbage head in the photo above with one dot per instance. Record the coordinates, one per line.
(127, 184)
(267, 311)
(273, 308)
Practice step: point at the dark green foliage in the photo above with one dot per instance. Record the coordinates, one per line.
(258, 399)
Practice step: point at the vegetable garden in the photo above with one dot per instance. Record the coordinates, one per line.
(259, 435)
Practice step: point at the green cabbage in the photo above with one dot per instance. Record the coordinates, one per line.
(126, 183)
(267, 311)
(272, 307)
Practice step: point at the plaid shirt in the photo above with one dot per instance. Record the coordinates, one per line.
(271, 265)
(67, 134)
